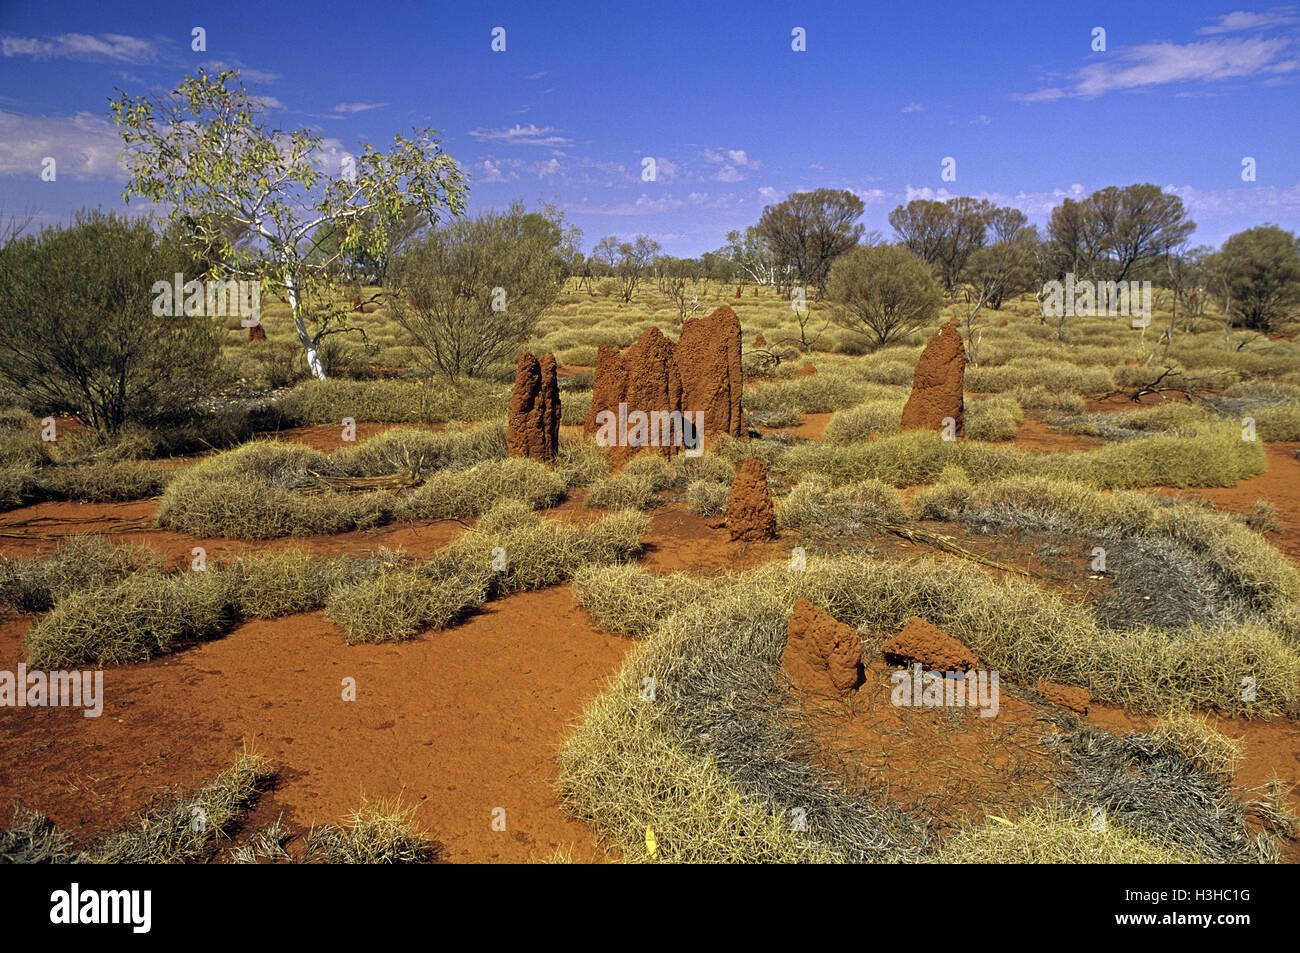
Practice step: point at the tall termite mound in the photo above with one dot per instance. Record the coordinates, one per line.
(698, 378)
(534, 426)
(821, 656)
(938, 384)
(751, 517)
(708, 356)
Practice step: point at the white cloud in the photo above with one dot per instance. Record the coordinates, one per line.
(329, 157)
(82, 46)
(1156, 64)
(83, 146)
(666, 170)
(644, 205)
(912, 108)
(356, 107)
(1262, 202)
(731, 162)
(870, 196)
(928, 194)
(496, 170)
(548, 168)
(1240, 20)
(517, 135)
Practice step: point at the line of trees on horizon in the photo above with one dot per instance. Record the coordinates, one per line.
(985, 254)
(240, 199)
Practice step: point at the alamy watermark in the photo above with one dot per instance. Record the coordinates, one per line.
(37, 689)
(1088, 299)
(215, 299)
(655, 428)
(916, 688)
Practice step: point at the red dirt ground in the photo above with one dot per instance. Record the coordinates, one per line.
(1038, 436)
(65, 519)
(1279, 485)
(811, 428)
(466, 720)
(457, 722)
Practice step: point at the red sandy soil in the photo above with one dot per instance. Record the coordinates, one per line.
(1039, 437)
(680, 541)
(810, 428)
(65, 519)
(329, 437)
(1279, 485)
(457, 723)
(947, 765)
(1119, 403)
(462, 721)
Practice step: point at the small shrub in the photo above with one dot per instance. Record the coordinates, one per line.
(396, 606)
(131, 621)
(706, 498)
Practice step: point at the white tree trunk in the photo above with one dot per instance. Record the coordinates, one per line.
(313, 358)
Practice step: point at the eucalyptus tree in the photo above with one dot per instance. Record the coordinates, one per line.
(206, 156)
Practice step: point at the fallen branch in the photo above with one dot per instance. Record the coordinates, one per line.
(950, 545)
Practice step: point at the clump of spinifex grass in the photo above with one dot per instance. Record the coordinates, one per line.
(815, 506)
(1247, 578)
(1012, 625)
(706, 498)
(1170, 784)
(1200, 743)
(1274, 808)
(282, 582)
(512, 549)
(581, 462)
(32, 838)
(105, 481)
(1171, 418)
(392, 401)
(131, 621)
(267, 489)
(77, 563)
(1214, 456)
(420, 451)
(1056, 376)
(188, 827)
(628, 600)
(987, 418)
(395, 606)
(31, 473)
(377, 833)
(522, 554)
(463, 493)
(254, 492)
(822, 393)
(1052, 835)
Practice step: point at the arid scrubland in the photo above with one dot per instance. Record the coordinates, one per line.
(720, 755)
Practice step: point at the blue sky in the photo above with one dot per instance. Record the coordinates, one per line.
(734, 118)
